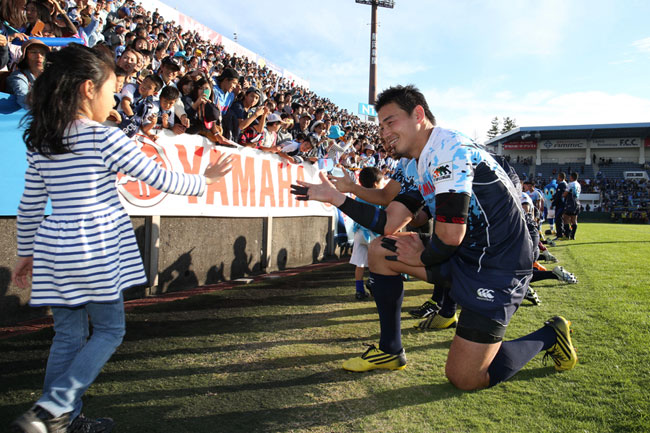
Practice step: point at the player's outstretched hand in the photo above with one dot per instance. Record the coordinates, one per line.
(407, 248)
(343, 184)
(216, 171)
(324, 191)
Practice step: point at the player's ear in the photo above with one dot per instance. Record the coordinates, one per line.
(418, 111)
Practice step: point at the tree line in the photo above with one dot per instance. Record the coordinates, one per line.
(496, 129)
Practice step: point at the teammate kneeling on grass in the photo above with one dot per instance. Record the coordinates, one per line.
(480, 243)
(558, 272)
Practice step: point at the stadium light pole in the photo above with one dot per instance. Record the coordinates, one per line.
(372, 82)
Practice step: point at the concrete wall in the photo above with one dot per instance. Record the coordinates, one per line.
(185, 252)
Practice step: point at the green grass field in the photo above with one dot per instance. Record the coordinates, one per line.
(267, 358)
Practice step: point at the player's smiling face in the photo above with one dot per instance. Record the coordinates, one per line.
(398, 129)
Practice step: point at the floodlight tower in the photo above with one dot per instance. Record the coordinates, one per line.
(372, 90)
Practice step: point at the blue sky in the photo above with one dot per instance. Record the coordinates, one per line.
(548, 62)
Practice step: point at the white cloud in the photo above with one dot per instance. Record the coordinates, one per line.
(470, 112)
(642, 45)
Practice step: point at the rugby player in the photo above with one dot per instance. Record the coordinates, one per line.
(480, 245)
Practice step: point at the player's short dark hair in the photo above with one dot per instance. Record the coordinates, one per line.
(407, 98)
(369, 176)
(562, 175)
(170, 93)
(574, 175)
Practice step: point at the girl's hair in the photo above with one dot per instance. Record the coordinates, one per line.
(186, 79)
(43, 13)
(11, 13)
(55, 96)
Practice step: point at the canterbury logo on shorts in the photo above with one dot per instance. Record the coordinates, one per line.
(485, 295)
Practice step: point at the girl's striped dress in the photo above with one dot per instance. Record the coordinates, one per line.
(86, 250)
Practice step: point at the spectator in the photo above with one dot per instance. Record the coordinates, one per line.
(302, 127)
(11, 18)
(368, 158)
(116, 18)
(139, 107)
(270, 140)
(203, 114)
(30, 66)
(35, 11)
(243, 113)
(287, 123)
(297, 150)
(226, 83)
(168, 97)
(129, 62)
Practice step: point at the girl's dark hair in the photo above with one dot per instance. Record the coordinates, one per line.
(10, 13)
(55, 96)
(185, 79)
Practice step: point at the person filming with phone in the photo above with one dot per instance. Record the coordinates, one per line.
(204, 116)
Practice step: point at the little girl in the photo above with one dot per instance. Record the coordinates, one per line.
(83, 256)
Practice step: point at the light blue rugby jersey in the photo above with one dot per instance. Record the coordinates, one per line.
(497, 237)
(399, 175)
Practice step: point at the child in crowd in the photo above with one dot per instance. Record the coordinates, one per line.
(120, 77)
(168, 98)
(297, 151)
(138, 106)
(84, 255)
(369, 177)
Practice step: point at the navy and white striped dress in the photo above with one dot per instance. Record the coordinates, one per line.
(86, 250)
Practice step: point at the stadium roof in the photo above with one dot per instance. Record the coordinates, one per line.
(611, 130)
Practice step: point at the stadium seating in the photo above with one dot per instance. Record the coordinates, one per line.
(615, 170)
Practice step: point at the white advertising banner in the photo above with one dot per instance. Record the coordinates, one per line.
(563, 144)
(602, 143)
(259, 184)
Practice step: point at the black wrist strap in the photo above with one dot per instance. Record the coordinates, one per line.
(436, 251)
(367, 215)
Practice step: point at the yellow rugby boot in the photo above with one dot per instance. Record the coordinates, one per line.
(562, 352)
(374, 358)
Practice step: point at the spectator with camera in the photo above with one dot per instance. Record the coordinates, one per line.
(30, 66)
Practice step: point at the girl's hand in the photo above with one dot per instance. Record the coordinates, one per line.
(221, 168)
(22, 272)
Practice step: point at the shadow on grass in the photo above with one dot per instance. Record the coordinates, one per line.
(207, 302)
(147, 329)
(265, 419)
(31, 380)
(323, 414)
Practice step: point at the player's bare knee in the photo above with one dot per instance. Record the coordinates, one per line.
(462, 380)
(376, 254)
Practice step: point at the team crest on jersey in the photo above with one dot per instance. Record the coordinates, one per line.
(443, 172)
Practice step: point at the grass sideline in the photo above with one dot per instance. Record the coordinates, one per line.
(266, 358)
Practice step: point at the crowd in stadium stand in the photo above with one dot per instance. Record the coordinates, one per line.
(172, 79)
(626, 200)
